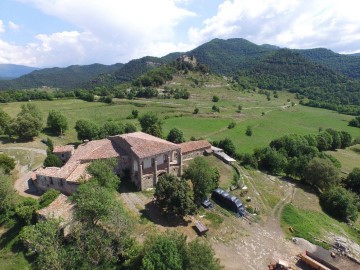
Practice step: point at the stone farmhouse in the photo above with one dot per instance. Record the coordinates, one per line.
(145, 157)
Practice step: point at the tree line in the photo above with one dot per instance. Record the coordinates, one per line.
(304, 158)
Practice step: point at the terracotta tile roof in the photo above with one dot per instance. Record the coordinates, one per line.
(78, 173)
(194, 146)
(145, 145)
(63, 148)
(76, 165)
(61, 208)
(48, 171)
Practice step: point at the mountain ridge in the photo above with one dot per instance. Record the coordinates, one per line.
(225, 57)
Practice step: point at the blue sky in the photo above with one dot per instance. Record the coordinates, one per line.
(47, 33)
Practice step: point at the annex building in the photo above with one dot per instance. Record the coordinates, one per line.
(144, 156)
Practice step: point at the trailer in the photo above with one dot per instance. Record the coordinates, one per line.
(229, 201)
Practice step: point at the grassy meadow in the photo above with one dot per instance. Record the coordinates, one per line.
(268, 119)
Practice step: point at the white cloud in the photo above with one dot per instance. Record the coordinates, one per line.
(13, 26)
(126, 28)
(289, 23)
(2, 28)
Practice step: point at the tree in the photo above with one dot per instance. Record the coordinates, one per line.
(27, 124)
(110, 129)
(215, 108)
(135, 113)
(273, 161)
(196, 255)
(352, 181)
(321, 173)
(203, 177)
(48, 197)
(57, 122)
(86, 130)
(346, 139)
(7, 163)
(151, 124)
(196, 111)
(248, 131)
(176, 136)
(336, 139)
(4, 122)
(52, 161)
(324, 141)
(200, 256)
(93, 203)
(228, 146)
(215, 98)
(25, 210)
(45, 242)
(171, 246)
(239, 109)
(173, 194)
(129, 127)
(7, 194)
(103, 172)
(340, 203)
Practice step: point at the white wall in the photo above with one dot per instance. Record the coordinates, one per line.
(147, 163)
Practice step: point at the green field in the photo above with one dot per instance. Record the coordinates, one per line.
(279, 117)
(349, 158)
(313, 225)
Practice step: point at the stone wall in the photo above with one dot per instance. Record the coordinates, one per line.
(44, 183)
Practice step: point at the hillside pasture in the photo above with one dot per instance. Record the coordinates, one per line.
(268, 119)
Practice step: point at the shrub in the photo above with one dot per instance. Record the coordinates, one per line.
(231, 125)
(215, 99)
(48, 197)
(340, 203)
(248, 131)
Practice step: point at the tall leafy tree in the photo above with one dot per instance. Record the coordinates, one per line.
(7, 163)
(176, 136)
(45, 242)
(103, 172)
(352, 181)
(7, 194)
(340, 203)
(321, 173)
(94, 203)
(200, 256)
(28, 122)
(111, 129)
(173, 194)
(151, 124)
(86, 130)
(57, 122)
(52, 161)
(4, 121)
(171, 246)
(203, 177)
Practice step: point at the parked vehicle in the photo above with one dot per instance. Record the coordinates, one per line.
(207, 204)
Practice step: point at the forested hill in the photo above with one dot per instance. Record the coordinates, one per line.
(286, 69)
(66, 78)
(10, 71)
(228, 56)
(345, 64)
(127, 72)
